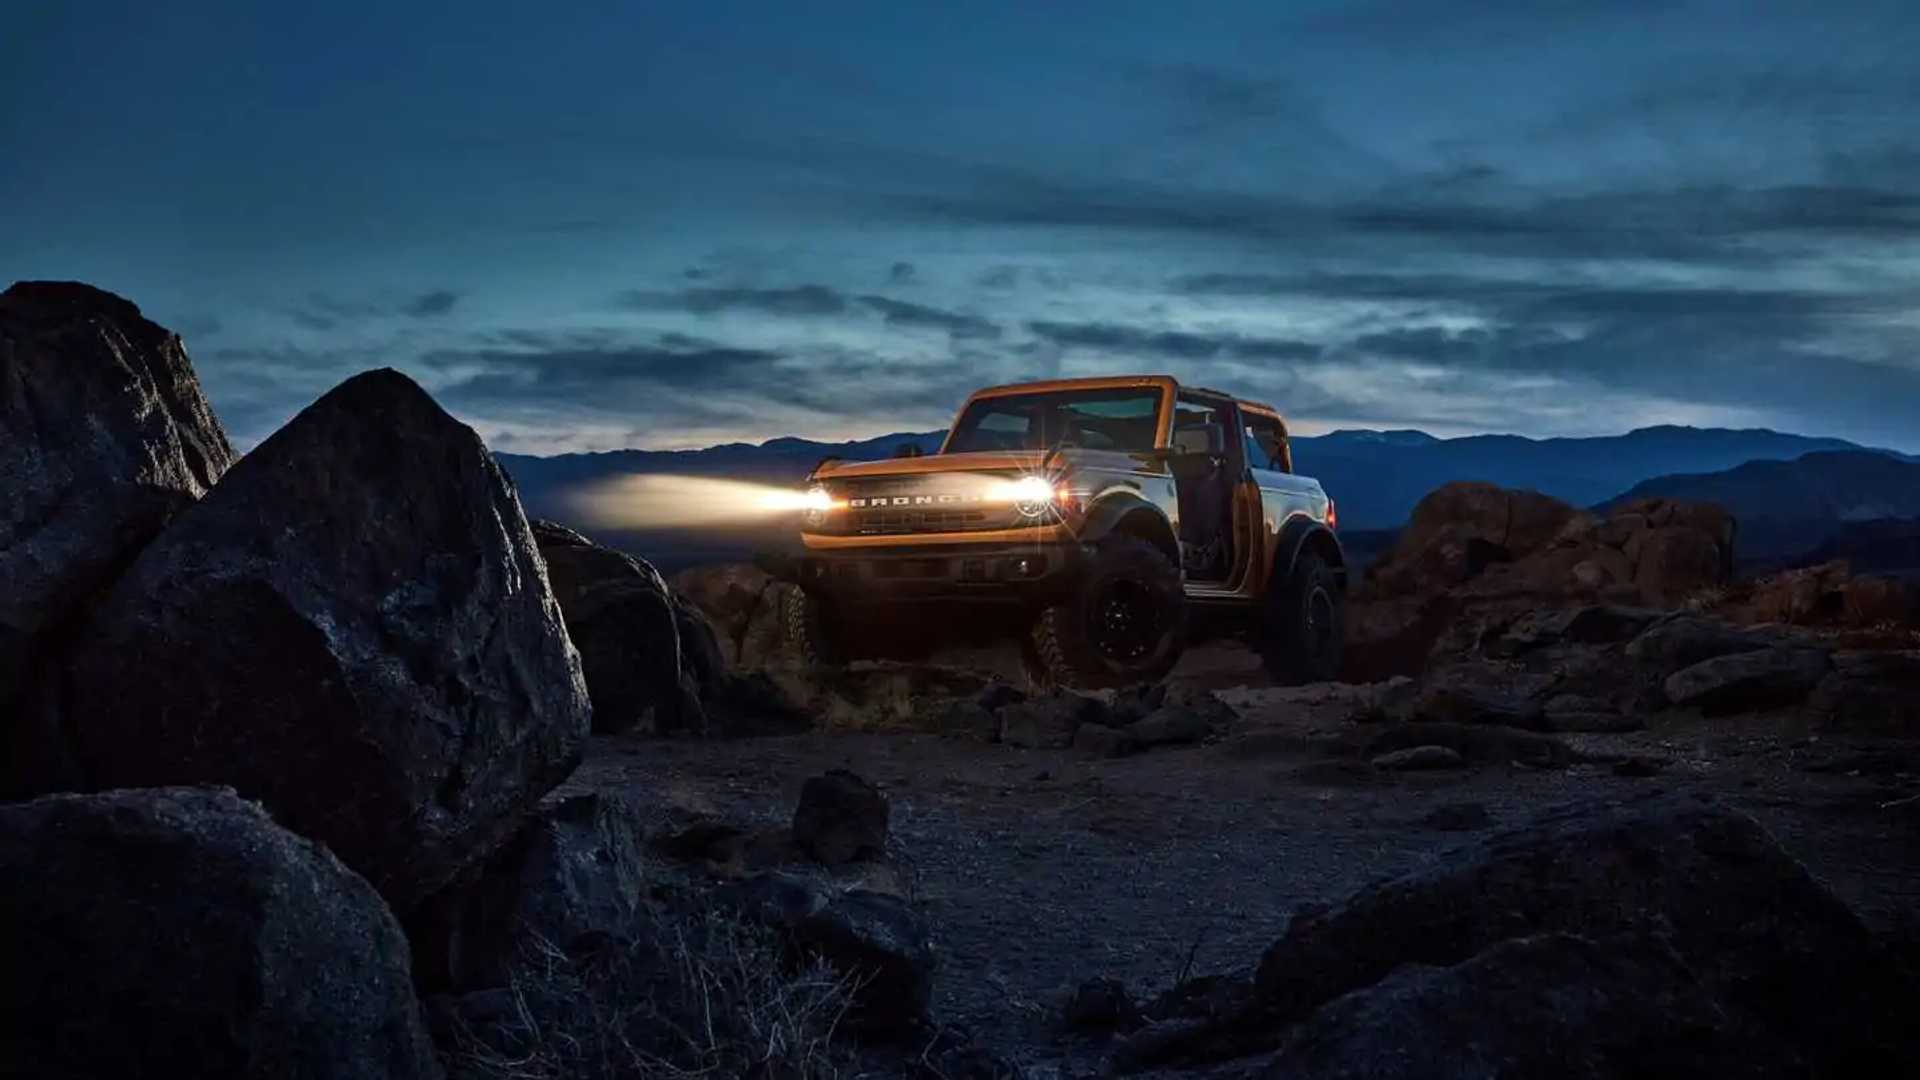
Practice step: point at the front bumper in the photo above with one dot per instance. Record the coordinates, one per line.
(983, 573)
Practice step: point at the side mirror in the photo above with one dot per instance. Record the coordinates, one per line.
(907, 449)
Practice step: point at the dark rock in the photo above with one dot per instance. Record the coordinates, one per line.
(841, 819)
(1639, 767)
(1133, 703)
(968, 719)
(1570, 713)
(1869, 693)
(1685, 640)
(1480, 694)
(751, 703)
(998, 695)
(1594, 624)
(1178, 714)
(180, 932)
(355, 628)
(1047, 722)
(1672, 564)
(1482, 743)
(1761, 679)
(873, 938)
(714, 841)
(1172, 724)
(104, 437)
(1103, 741)
(1548, 1005)
(1101, 1005)
(1419, 758)
(621, 617)
(571, 878)
(1774, 949)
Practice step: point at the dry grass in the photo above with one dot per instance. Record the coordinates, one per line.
(705, 997)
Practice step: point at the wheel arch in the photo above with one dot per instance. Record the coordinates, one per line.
(1302, 534)
(1131, 515)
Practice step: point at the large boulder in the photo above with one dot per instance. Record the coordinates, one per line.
(625, 623)
(1869, 693)
(1550, 1005)
(104, 437)
(1460, 529)
(354, 628)
(1776, 951)
(572, 879)
(180, 932)
(1760, 679)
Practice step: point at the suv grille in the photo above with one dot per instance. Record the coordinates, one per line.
(896, 506)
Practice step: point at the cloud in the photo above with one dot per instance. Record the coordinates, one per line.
(429, 304)
(1172, 344)
(800, 300)
(902, 313)
(901, 273)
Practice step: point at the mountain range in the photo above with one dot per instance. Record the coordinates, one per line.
(1790, 491)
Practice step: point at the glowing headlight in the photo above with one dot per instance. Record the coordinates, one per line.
(815, 504)
(1031, 495)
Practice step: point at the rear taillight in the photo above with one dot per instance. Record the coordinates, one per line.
(1333, 515)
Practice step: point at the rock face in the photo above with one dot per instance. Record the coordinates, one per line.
(104, 437)
(181, 932)
(1786, 968)
(571, 879)
(1474, 551)
(841, 819)
(354, 628)
(625, 623)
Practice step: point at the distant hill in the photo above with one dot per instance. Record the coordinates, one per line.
(1376, 476)
(1786, 509)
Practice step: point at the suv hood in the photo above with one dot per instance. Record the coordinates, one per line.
(977, 461)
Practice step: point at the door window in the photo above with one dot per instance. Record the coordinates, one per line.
(1266, 443)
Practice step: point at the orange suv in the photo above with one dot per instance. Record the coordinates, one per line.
(1122, 515)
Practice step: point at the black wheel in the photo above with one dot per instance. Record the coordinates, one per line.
(1306, 624)
(1122, 625)
(813, 628)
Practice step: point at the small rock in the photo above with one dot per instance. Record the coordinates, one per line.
(1639, 767)
(841, 819)
(968, 720)
(1420, 758)
(1048, 722)
(1101, 1005)
(1103, 741)
(1170, 724)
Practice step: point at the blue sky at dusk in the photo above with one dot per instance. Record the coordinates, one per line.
(595, 225)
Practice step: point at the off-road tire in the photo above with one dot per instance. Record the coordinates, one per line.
(1064, 650)
(814, 631)
(1305, 626)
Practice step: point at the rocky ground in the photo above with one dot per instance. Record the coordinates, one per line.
(1041, 869)
(325, 762)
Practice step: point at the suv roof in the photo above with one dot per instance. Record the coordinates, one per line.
(1102, 382)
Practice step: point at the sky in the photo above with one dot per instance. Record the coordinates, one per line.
(586, 226)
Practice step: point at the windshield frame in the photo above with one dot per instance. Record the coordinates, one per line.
(1160, 393)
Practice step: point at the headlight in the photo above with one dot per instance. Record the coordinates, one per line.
(815, 504)
(1032, 496)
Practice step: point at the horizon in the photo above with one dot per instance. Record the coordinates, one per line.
(682, 225)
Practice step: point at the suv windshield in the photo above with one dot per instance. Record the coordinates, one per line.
(1125, 418)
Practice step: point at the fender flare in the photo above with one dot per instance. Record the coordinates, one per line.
(1298, 532)
(1107, 510)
